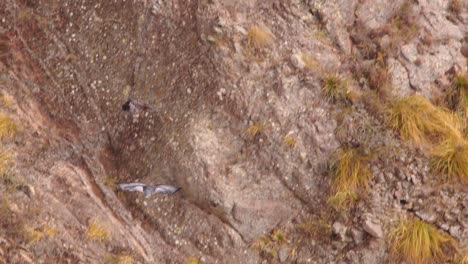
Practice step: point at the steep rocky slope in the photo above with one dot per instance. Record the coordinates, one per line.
(241, 123)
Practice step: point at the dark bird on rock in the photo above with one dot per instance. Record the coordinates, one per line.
(134, 106)
(148, 190)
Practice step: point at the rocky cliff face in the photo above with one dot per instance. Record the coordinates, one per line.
(241, 122)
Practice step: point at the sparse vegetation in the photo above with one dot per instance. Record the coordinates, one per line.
(5, 162)
(415, 242)
(96, 231)
(379, 79)
(404, 23)
(461, 258)
(456, 7)
(254, 129)
(289, 140)
(268, 245)
(37, 234)
(317, 227)
(419, 120)
(122, 259)
(111, 182)
(5, 101)
(7, 127)
(193, 260)
(457, 97)
(450, 158)
(311, 63)
(259, 38)
(351, 174)
(335, 88)
(11, 223)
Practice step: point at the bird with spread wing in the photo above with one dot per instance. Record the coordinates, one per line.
(148, 190)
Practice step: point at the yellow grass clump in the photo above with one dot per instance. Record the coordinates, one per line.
(419, 120)
(350, 175)
(289, 140)
(259, 38)
(461, 258)
(317, 227)
(122, 259)
(255, 129)
(450, 158)
(96, 231)
(458, 94)
(5, 101)
(36, 235)
(7, 127)
(193, 260)
(416, 242)
(5, 162)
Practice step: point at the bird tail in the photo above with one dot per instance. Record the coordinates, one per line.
(178, 189)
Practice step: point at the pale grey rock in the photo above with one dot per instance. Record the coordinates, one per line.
(28, 190)
(339, 230)
(357, 235)
(296, 60)
(455, 231)
(373, 227)
(283, 254)
(426, 216)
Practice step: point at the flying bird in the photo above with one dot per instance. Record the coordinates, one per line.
(148, 190)
(134, 106)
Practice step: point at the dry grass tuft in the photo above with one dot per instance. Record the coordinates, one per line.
(336, 90)
(457, 98)
(351, 174)
(36, 235)
(461, 259)
(112, 183)
(255, 129)
(122, 259)
(456, 7)
(312, 63)
(193, 260)
(404, 23)
(332, 87)
(8, 127)
(5, 101)
(450, 158)
(289, 140)
(419, 120)
(415, 242)
(96, 231)
(5, 162)
(317, 227)
(379, 79)
(268, 245)
(259, 38)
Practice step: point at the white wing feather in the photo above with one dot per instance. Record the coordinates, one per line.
(132, 187)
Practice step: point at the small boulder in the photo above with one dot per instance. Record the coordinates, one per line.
(357, 235)
(28, 190)
(283, 254)
(339, 230)
(373, 228)
(297, 62)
